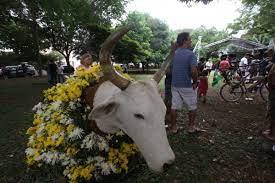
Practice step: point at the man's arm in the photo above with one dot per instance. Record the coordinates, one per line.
(194, 74)
(194, 70)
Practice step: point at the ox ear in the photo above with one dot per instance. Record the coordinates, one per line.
(103, 110)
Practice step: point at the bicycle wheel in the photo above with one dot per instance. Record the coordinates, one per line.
(264, 92)
(231, 93)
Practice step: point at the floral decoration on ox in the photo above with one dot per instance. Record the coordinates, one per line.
(81, 125)
(59, 136)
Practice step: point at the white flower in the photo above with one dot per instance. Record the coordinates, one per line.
(55, 136)
(103, 146)
(72, 162)
(47, 115)
(39, 112)
(89, 141)
(29, 151)
(65, 120)
(105, 169)
(109, 137)
(112, 167)
(50, 157)
(120, 133)
(89, 160)
(78, 104)
(72, 105)
(98, 159)
(56, 105)
(31, 139)
(37, 106)
(65, 160)
(38, 158)
(40, 130)
(66, 172)
(76, 133)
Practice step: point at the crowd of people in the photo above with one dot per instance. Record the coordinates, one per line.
(187, 81)
(56, 72)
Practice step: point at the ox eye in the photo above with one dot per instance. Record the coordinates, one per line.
(139, 116)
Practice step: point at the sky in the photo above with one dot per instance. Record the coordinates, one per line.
(179, 15)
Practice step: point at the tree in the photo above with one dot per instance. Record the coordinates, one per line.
(33, 25)
(152, 34)
(65, 24)
(104, 11)
(141, 31)
(160, 41)
(126, 51)
(209, 35)
(257, 19)
(196, 1)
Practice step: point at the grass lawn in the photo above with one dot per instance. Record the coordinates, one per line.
(148, 76)
(230, 150)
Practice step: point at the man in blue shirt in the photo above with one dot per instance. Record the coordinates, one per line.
(184, 82)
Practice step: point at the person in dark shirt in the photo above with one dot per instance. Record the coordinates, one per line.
(168, 94)
(270, 133)
(52, 72)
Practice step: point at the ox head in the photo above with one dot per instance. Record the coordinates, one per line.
(134, 107)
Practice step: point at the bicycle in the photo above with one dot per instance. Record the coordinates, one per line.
(236, 89)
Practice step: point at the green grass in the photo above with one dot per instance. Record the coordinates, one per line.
(148, 76)
(237, 158)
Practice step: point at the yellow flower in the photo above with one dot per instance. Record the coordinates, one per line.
(59, 141)
(31, 130)
(71, 151)
(37, 120)
(70, 128)
(86, 172)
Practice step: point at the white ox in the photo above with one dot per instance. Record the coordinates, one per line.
(134, 107)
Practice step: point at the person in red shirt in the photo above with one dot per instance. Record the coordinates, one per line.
(224, 66)
(203, 86)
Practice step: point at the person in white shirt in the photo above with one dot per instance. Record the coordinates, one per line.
(208, 66)
(244, 63)
(60, 77)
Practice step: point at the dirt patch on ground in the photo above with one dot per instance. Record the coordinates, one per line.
(230, 151)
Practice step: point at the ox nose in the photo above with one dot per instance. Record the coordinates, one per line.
(168, 165)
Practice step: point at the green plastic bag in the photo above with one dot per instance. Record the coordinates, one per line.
(217, 77)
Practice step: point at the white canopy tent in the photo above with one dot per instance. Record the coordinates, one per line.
(238, 42)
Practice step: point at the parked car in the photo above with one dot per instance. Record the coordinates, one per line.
(31, 71)
(68, 70)
(20, 71)
(11, 71)
(15, 71)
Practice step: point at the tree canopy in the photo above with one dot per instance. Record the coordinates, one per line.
(257, 20)
(77, 26)
(152, 34)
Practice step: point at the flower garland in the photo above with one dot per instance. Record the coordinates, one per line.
(59, 135)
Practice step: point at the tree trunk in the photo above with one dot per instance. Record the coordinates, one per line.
(36, 39)
(147, 67)
(67, 58)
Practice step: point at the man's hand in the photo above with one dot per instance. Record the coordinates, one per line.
(194, 73)
(195, 85)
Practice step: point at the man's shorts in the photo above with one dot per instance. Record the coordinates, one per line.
(187, 96)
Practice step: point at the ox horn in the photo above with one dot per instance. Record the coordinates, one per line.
(105, 59)
(160, 73)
